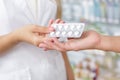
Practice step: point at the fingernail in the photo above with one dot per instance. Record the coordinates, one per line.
(40, 45)
(50, 20)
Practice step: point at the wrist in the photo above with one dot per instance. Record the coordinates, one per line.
(14, 37)
(104, 44)
(98, 45)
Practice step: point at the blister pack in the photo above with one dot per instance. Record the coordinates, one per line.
(67, 30)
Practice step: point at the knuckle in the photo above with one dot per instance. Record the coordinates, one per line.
(44, 29)
(36, 41)
(35, 27)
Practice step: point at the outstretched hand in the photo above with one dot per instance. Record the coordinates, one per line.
(88, 40)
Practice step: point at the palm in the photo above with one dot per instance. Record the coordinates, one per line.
(88, 40)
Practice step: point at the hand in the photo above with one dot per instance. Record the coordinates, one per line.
(88, 40)
(58, 21)
(32, 34)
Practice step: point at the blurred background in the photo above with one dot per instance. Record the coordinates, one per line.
(102, 16)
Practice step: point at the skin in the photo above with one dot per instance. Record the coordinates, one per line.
(88, 40)
(34, 35)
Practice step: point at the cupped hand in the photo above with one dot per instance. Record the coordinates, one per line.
(88, 40)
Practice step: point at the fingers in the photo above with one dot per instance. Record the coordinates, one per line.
(53, 44)
(37, 40)
(47, 45)
(38, 29)
(58, 21)
(57, 43)
(60, 46)
(62, 22)
(43, 29)
(50, 22)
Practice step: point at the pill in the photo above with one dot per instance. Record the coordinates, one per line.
(68, 30)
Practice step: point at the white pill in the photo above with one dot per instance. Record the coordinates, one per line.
(58, 33)
(63, 33)
(65, 27)
(67, 30)
(77, 33)
(72, 27)
(78, 27)
(69, 34)
(55, 26)
(52, 33)
(60, 27)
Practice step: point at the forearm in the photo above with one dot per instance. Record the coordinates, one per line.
(7, 41)
(109, 43)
